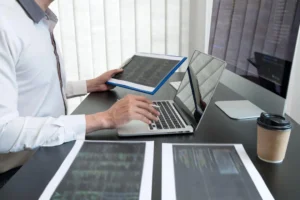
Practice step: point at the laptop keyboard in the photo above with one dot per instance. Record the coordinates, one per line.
(167, 118)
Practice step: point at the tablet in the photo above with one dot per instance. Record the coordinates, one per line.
(147, 72)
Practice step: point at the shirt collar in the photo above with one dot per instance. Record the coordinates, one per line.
(51, 16)
(35, 12)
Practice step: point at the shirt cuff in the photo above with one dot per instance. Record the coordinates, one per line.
(74, 127)
(76, 88)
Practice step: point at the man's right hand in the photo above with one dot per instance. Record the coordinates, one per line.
(131, 107)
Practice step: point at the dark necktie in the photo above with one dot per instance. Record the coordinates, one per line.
(58, 71)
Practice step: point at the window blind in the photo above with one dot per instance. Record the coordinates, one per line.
(97, 35)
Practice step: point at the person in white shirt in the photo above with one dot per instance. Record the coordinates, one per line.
(34, 90)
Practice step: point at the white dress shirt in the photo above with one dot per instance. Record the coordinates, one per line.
(31, 103)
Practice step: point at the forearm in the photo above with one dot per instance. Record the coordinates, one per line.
(91, 86)
(98, 121)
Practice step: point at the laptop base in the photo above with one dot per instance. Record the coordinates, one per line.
(138, 128)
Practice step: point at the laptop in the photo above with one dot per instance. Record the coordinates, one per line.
(182, 114)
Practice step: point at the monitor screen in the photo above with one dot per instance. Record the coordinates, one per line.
(257, 39)
(199, 83)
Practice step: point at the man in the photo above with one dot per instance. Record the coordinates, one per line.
(34, 90)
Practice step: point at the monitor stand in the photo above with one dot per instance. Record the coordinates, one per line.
(241, 109)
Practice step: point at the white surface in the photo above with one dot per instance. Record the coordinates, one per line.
(169, 57)
(133, 85)
(158, 29)
(200, 22)
(269, 161)
(175, 84)
(241, 109)
(173, 23)
(168, 177)
(146, 182)
(293, 96)
(168, 190)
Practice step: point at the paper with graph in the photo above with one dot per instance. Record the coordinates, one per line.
(146, 72)
(210, 171)
(104, 170)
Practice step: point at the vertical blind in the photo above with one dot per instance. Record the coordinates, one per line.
(241, 27)
(97, 35)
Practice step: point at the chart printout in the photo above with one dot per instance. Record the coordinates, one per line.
(104, 171)
(211, 172)
(146, 71)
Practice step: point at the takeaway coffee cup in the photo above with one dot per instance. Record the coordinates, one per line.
(273, 133)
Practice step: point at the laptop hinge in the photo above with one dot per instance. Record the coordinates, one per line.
(185, 119)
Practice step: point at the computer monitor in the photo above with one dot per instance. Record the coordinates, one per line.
(257, 39)
(273, 73)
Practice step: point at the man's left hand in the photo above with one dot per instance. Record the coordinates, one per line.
(99, 84)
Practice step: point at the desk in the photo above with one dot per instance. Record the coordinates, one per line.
(282, 180)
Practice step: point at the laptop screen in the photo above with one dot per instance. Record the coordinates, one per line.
(198, 84)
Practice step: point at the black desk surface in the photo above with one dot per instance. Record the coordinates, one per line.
(282, 179)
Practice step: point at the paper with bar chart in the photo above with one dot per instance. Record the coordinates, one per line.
(210, 171)
(146, 72)
(104, 170)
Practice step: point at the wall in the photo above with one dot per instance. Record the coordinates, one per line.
(200, 20)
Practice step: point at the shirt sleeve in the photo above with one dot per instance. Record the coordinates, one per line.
(76, 88)
(19, 133)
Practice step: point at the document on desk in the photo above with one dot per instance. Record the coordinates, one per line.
(147, 72)
(104, 170)
(210, 171)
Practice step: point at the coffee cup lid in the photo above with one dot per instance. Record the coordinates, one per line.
(273, 122)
